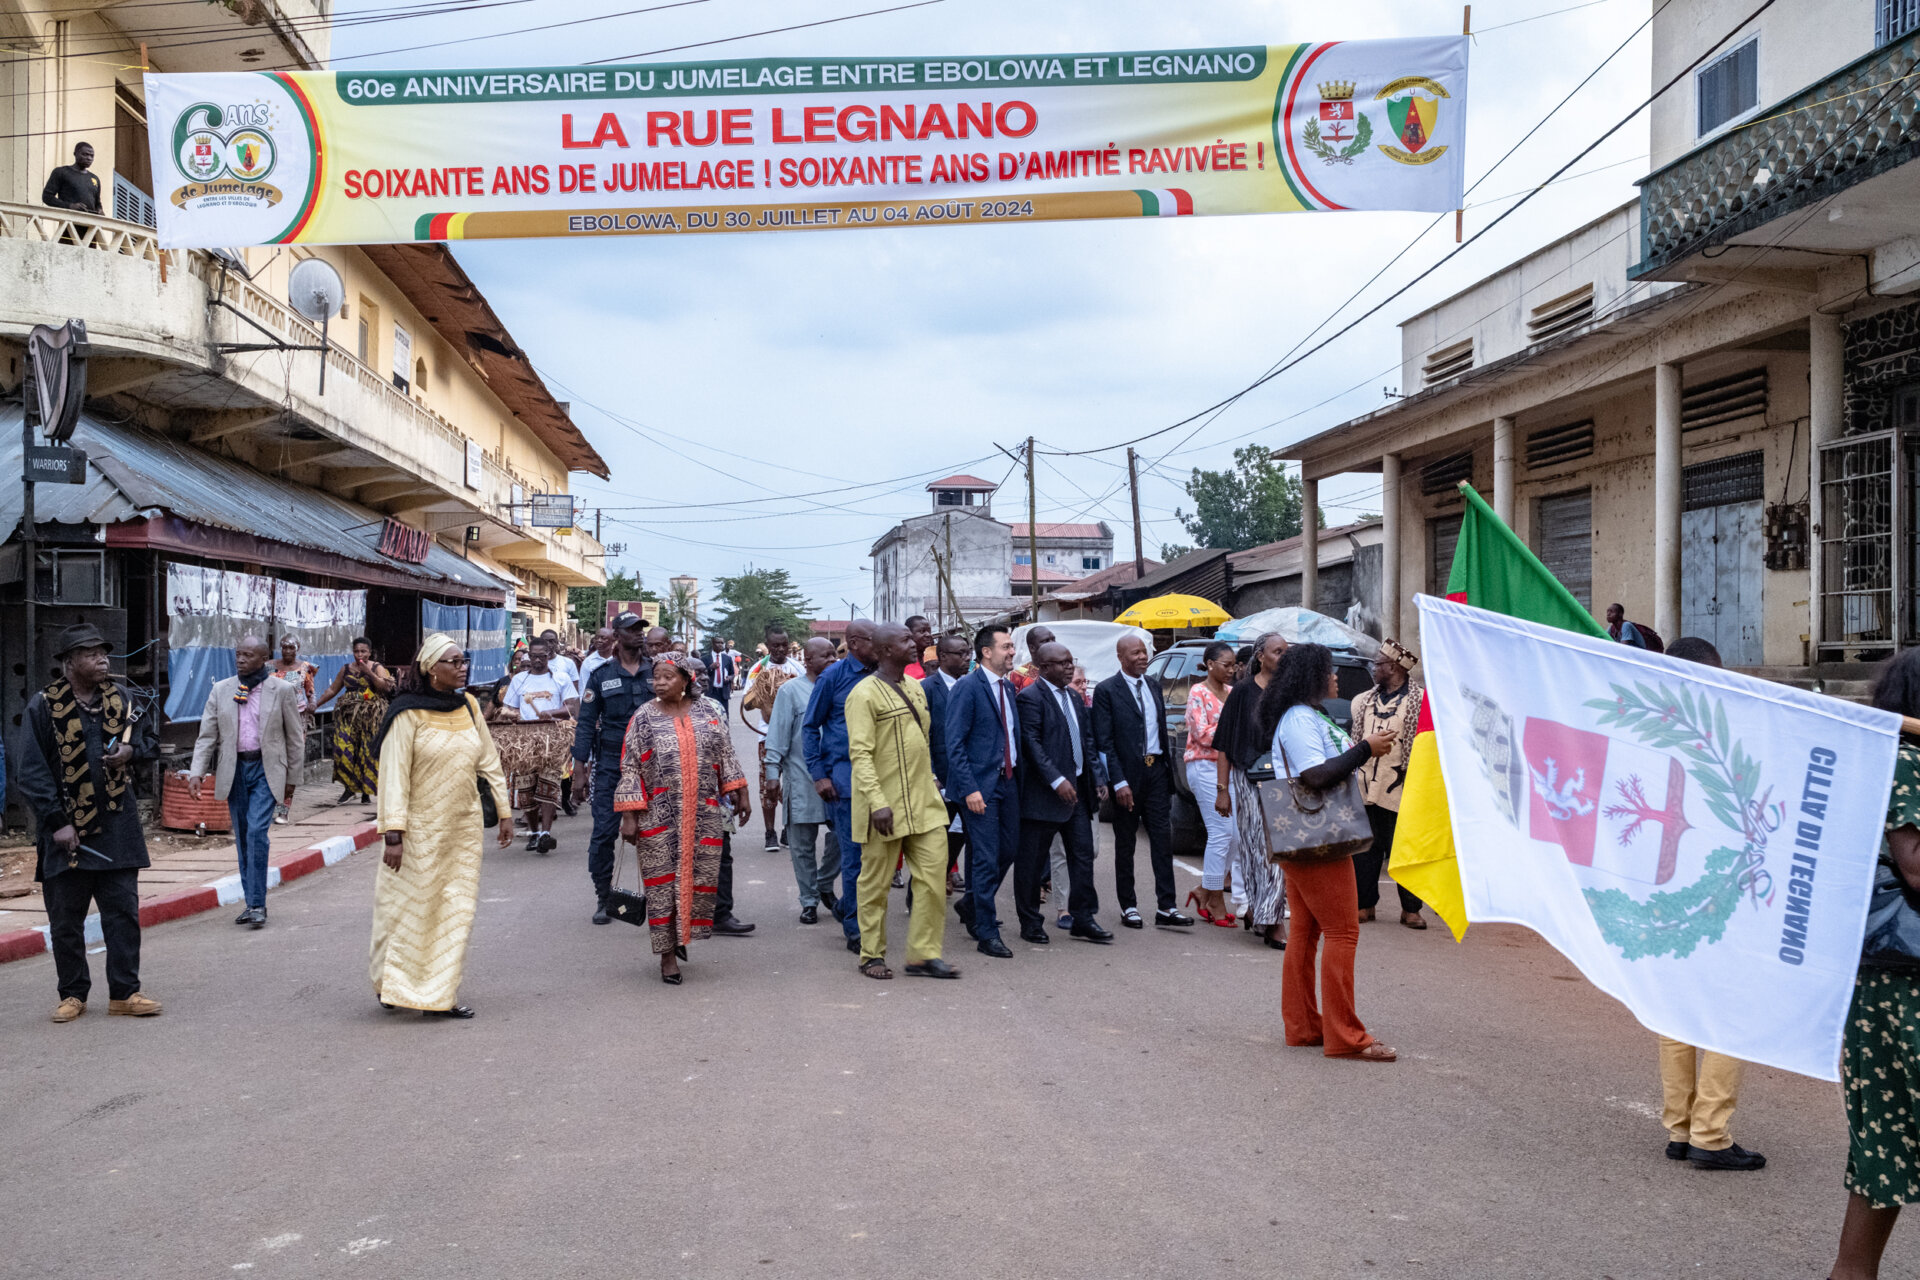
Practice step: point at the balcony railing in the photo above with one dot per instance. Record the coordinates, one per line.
(86, 230)
(1862, 120)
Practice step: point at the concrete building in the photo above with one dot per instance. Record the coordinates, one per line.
(409, 476)
(1269, 576)
(1646, 399)
(1069, 550)
(954, 564)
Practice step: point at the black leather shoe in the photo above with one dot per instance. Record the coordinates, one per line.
(1131, 919)
(600, 915)
(1676, 1151)
(728, 927)
(458, 1011)
(1092, 932)
(257, 918)
(809, 915)
(963, 907)
(853, 945)
(995, 948)
(1735, 1157)
(934, 968)
(1171, 919)
(1038, 937)
(831, 905)
(245, 916)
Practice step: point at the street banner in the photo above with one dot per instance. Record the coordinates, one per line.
(768, 144)
(1700, 843)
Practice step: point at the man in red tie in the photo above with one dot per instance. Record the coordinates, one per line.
(983, 754)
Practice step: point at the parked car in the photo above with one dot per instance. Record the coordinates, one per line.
(1177, 668)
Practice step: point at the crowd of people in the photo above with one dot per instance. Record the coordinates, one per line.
(892, 761)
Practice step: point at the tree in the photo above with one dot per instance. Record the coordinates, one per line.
(588, 605)
(677, 612)
(756, 598)
(1254, 503)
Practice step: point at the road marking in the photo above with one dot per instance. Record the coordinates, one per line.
(362, 1246)
(1192, 871)
(1638, 1108)
(280, 1241)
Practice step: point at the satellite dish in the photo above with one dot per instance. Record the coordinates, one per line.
(314, 289)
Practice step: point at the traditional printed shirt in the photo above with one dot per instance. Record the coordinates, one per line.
(764, 681)
(1382, 777)
(1203, 716)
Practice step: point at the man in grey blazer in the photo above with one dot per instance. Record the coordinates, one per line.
(252, 735)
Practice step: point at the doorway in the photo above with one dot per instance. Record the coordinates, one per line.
(1722, 555)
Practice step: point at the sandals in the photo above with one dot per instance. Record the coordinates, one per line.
(876, 968)
(1375, 1052)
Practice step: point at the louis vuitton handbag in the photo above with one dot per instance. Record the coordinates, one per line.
(1304, 825)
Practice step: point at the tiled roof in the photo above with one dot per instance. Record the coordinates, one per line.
(1045, 530)
(962, 482)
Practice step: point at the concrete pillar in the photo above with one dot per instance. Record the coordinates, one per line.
(1826, 386)
(1309, 544)
(1503, 469)
(1666, 501)
(1390, 546)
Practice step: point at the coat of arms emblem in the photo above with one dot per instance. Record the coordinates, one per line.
(1339, 133)
(1413, 109)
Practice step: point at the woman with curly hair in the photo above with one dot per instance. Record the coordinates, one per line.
(1311, 748)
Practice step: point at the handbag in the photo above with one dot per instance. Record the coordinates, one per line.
(1304, 825)
(489, 808)
(1893, 924)
(622, 905)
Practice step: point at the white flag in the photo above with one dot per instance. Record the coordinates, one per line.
(1700, 843)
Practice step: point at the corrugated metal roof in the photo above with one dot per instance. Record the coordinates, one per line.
(1202, 573)
(132, 474)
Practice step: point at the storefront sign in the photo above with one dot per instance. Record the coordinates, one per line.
(405, 543)
(768, 144)
(56, 464)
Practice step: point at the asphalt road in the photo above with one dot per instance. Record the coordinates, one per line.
(1076, 1111)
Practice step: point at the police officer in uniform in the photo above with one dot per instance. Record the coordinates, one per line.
(614, 691)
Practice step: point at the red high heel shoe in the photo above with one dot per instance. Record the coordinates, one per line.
(1193, 901)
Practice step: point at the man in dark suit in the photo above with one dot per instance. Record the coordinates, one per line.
(954, 655)
(1129, 729)
(983, 758)
(1062, 785)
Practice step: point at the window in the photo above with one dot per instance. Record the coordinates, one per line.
(1743, 395)
(1566, 541)
(420, 377)
(368, 346)
(949, 497)
(1447, 362)
(1897, 18)
(1020, 557)
(1443, 535)
(1445, 475)
(73, 577)
(1562, 315)
(1551, 446)
(1728, 87)
(1741, 478)
(1089, 562)
(130, 158)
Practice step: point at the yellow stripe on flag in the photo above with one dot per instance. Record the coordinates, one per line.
(1423, 857)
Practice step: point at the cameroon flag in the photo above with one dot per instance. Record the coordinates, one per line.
(1492, 569)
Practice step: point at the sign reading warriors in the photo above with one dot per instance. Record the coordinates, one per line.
(1700, 843)
(818, 143)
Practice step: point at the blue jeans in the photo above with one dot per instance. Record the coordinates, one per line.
(250, 806)
(993, 845)
(840, 814)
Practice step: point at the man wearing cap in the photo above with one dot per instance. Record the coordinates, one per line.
(613, 692)
(1391, 706)
(82, 734)
(253, 740)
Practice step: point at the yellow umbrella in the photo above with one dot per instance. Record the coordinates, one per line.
(1170, 613)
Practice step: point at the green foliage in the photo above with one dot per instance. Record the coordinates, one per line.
(677, 611)
(588, 605)
(1171, 551)
(1676, 921)
(755, 598)
(1256, 502)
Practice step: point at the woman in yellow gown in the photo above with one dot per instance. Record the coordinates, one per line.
(432, 747)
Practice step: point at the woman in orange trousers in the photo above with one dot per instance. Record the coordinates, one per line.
(1323, 896)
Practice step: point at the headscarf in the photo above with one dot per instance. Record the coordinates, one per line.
(688, 665)
(423, 696)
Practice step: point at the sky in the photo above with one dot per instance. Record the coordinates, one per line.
(816, 381)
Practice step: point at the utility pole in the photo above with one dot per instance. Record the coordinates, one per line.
(1133, 483)
(596, 523)
(947, 566)
(1033, 534)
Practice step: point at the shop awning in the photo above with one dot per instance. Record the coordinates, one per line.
(146, 490)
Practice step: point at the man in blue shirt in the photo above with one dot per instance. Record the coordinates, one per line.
(824, 737)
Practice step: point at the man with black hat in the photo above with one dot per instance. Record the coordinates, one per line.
(615, 689)
(83, 732)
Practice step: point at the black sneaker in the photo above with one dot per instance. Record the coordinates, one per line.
(533, 840)
(898, 881)
(773, 843)
(1676, 1151)
(547, 842)
(1735, 1157)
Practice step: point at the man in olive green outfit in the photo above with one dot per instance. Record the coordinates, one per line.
(897, 808)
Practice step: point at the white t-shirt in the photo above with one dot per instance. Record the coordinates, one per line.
(1308, 738)
(561, 664)
(592, 663)
(530, 694)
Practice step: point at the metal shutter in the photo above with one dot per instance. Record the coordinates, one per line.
(1443, 535)
(1566, 541)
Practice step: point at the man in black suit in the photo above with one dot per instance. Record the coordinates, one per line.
(1129, 729)
(1061, 791)
(954, 654)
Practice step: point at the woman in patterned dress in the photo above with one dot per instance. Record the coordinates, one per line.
(431, 748)
(364, 687)
(1243, 736)
(1207, 779)
(677, 768)
(1880, 1058)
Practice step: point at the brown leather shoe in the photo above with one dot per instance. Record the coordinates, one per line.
(70, 1008)
(134, 1006)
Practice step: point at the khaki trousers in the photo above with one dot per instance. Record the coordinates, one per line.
(1697, 1108)
(926, 862)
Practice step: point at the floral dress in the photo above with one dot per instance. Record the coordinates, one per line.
(357, 715)
(1880, 1060)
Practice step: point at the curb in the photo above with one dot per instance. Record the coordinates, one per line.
(21, 944)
